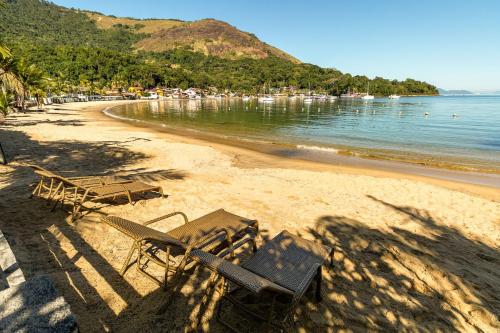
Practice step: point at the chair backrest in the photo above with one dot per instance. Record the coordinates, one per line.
(47, 173)
(65, 180)
(139, 232)
(41, 171)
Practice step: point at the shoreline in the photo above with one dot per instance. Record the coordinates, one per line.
(258, 155)
(472, 168)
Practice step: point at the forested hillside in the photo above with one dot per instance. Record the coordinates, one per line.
(75, 52)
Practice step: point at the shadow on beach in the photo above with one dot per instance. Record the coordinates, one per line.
(383, 280)
(398, 280)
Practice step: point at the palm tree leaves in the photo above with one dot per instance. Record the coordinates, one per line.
(6, 100)
(21, 78)
(9, 79)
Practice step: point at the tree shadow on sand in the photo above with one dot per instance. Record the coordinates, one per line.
(430, 279)
(51, 122)
(45, 244)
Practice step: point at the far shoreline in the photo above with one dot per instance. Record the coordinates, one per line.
(257, 155)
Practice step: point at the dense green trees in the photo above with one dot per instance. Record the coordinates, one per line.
(70, 49)
(20, 80)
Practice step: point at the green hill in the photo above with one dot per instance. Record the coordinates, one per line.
(81, 48)
(208, 36)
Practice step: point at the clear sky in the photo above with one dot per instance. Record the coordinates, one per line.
(452, 44)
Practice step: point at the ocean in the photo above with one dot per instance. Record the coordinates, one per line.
(458, 132)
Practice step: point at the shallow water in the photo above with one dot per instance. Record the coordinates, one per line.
(463, 130)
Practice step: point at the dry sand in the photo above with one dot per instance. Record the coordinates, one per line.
(412, 254)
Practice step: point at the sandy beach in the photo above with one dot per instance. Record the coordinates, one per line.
(412, 253)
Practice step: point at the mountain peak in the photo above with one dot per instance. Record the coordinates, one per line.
(208, 36)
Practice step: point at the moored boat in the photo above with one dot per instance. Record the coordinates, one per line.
(348, 94)
(368, 96)
(266, 99)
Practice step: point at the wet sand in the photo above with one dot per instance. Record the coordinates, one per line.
(413, 253)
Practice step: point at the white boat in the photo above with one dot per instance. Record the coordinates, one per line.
(394, 96)
(266, 99)
(246, 98)
(332, 98)
(308, 99)
(368, 96)
(348, 95)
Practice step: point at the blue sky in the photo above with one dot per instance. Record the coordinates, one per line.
(452, 44)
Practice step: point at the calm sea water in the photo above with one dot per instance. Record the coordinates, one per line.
(464, 130)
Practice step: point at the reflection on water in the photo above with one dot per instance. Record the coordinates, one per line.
(465, 128)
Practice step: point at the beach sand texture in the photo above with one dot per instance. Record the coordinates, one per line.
(410, 255)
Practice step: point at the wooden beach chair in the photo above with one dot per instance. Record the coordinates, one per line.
(218, 233)
(78, 192)
(48, 183)
(275, 277)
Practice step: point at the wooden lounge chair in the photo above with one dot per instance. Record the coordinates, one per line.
(219, 233)
(279, 273)
(48, 183)
(77, 192)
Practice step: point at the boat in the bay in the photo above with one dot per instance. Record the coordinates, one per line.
(266, 99)
(348, 94)
(368, 96)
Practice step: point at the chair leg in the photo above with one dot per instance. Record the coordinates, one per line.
(53, 194)
(129, 256)
(319, 279)
(77, 206)
(50, 188)
(36, 189)
(220, 304)
(332, 258)
(167, 267)
(59, 198)
(41, 186)
(270, 316)
(212, 281)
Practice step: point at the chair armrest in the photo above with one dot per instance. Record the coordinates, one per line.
(209, 238)
(166, 217)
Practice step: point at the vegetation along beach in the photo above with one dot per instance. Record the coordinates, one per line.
(183, 175)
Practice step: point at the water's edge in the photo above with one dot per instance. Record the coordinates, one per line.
(345, 156)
